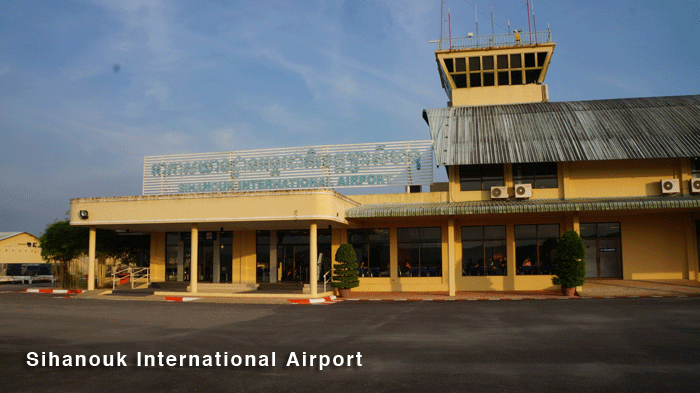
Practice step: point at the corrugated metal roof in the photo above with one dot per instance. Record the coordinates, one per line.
(630, 128)
(520, 206)
(7, 235)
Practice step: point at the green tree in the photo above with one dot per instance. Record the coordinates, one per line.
(345, 272)
(571, 267)
(61, 243)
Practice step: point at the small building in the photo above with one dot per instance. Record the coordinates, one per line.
(522, 170)
(17, 250)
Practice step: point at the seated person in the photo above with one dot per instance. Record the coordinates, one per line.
(406, 269)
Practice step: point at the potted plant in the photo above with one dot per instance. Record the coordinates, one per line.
(345, 271)
(571, 268)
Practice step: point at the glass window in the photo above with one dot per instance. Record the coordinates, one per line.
(502, 61)
(516, 61)
(474, 64)
(449, 64)
(480, 177)
(475, 79)
(489, 79)
(420, 252)
(484, 251)
(487, 62)
(460, 65)
(535, 248)
(695, 166)
(171, 241)
(601, 229)
(262, 252)
(372, 250)
(460, 80)
(532, 76)
(539, 175)
(530, 60)
(541, 57)
(516, 77)
(503, 78)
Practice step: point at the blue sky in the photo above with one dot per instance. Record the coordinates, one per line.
(201, 76)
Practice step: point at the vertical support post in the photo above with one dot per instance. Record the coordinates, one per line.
(451, 280)
(91, 258)
(313, 256)
(194, 252)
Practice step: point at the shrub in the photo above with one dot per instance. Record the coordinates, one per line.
(345, 271)
(571, 267)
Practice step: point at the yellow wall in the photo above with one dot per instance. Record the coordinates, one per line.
(242, 207)
(157, 256)
(596, 179)
(244, 257)
(494, 95)
(15, 249)
(592, 179)
(654, 246)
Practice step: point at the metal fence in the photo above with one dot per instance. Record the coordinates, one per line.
(494, 40)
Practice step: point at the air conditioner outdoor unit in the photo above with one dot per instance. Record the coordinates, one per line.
(523, 191)
(695, 185)
(499, 192)
(670, 186)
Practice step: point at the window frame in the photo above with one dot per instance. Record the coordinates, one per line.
(535, 169)
(383, 266)
(404, 251)
(484, 267)
(482, 179)
(539, 267)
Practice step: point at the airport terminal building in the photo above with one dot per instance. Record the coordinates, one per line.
(521, 170)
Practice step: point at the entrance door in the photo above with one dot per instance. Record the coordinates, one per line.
(205, 261)
(294, 261)
(602, 241)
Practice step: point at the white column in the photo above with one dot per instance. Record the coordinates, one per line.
(451, 256)
(180, 261)
(273, 256)
(194, 251)
(91, 259)
(217, 259)
(313, 256)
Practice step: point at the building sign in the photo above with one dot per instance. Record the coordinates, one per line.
(335, 166)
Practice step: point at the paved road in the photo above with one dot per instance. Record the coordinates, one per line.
(514, 346)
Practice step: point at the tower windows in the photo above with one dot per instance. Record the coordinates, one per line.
(499, 70)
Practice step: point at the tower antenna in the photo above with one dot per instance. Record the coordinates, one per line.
(493, 31)
(534, 23)
(476, 20)
(442, 20)
(529, 31)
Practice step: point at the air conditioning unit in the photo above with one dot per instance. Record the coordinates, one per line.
(695, 185)
(499, 192)
(670, 186)
(523, 191)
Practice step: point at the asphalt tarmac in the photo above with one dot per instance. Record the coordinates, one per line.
(594, 345)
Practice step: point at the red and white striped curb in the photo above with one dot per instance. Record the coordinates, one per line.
(318, 301)
(461, 300)
(40, 290)
(180, 298)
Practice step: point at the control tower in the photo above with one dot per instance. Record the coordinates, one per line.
(495, 69)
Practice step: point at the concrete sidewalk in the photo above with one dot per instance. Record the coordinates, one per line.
(598, 288)
(633, 288)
